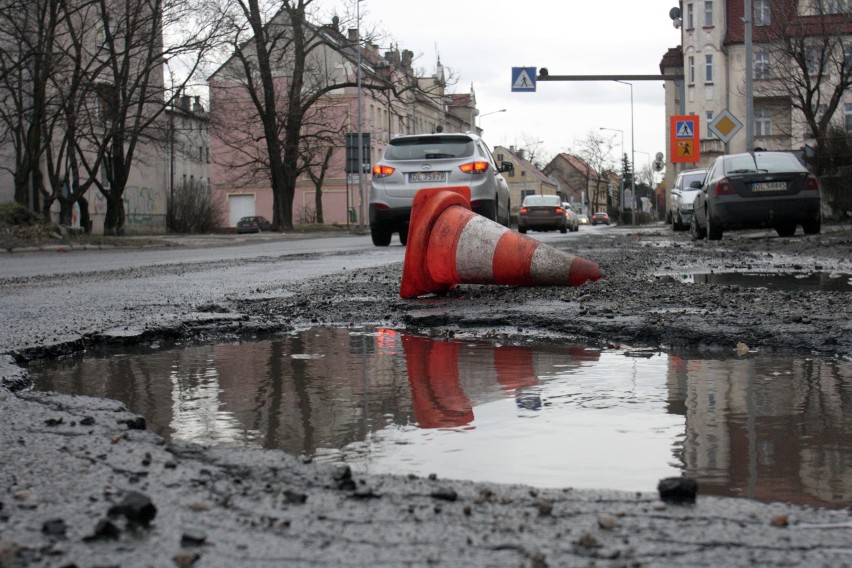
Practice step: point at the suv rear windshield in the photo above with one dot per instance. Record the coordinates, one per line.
(429, 148)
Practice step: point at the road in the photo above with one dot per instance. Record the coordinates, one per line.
(83, 484)
(88, 291)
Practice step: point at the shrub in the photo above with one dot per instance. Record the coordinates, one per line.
(192, 209)
(15, 214)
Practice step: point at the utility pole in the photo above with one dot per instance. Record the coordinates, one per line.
(749, 68)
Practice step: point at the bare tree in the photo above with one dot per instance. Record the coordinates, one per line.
(803, 62)
(595, 148)
(27, 29)
(285, 67)
(85, 79)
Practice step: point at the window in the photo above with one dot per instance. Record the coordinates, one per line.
(762, 122)
(833, 6)
(690, 16)
(815, 60)
(762, 13)
(691, 69)
(709, 115)
(848, 117)
(847, 58)
(761, 65)
(708, 68)
(708, 14)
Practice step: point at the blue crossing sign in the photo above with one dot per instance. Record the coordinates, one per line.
(523, 79)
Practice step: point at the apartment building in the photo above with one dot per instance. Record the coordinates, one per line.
(419, 104)
(801, 53)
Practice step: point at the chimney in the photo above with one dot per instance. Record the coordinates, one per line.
(353, 34)
(196, 106)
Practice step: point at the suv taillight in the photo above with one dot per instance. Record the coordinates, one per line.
(474, 167)
(725, 187)
(811, 183)
(382, 171)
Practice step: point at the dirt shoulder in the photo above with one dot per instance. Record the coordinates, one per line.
(84, 484)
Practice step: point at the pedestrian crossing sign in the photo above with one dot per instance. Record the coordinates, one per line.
(523, 79)
(685, 145)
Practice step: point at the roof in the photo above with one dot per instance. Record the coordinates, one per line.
(672, 59)
(527, 165)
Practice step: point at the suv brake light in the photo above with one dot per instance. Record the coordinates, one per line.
(474, 167)
(811, 183)
(382, 171)
(725, 187)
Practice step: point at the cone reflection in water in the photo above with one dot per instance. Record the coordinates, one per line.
(448, 244)
(433, 373)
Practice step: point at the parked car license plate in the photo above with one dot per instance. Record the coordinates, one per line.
(419, 177)
(769, 186)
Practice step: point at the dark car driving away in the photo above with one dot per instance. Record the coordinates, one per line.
(757, 190)
(542, 213)
(601, 217)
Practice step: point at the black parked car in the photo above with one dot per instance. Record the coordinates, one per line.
(254, 224)
(756, 190)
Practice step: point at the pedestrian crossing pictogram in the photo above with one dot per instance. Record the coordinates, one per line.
(523, 79)
(684, 129)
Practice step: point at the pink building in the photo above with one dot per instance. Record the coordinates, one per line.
(414, 105)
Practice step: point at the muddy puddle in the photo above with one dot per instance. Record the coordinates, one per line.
(790, 282)
(756, 426)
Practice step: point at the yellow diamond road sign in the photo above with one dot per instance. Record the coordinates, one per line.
(725, 125)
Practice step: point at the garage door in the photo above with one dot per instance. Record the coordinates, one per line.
(239, 206)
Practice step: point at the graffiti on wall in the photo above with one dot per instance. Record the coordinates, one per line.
(140, 204)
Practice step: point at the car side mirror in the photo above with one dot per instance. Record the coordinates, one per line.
(506, 167)
(696, 184)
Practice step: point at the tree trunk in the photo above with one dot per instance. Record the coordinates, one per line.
(85, 219)
(114, 219)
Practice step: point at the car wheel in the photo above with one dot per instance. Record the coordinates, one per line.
(786, 229)
(696, 231)
(563, 229)
(714, 229)
(508, 222)
(812, 227)
(489, 210)
(381, 236)
(522, 230)
(403, 236)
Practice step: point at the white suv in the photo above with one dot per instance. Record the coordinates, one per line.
(414, 162)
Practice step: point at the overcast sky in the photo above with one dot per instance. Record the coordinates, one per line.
(480, 41)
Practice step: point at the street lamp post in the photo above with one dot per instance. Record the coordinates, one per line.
(620, 159)
(486, 114)
(632, 153)
(360, 128)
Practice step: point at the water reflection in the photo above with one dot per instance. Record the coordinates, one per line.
(790, 282)
(551, 415)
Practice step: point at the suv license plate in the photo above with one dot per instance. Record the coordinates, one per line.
(769, 186)
(419, 177)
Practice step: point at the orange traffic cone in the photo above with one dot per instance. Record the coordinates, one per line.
(449, 244)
